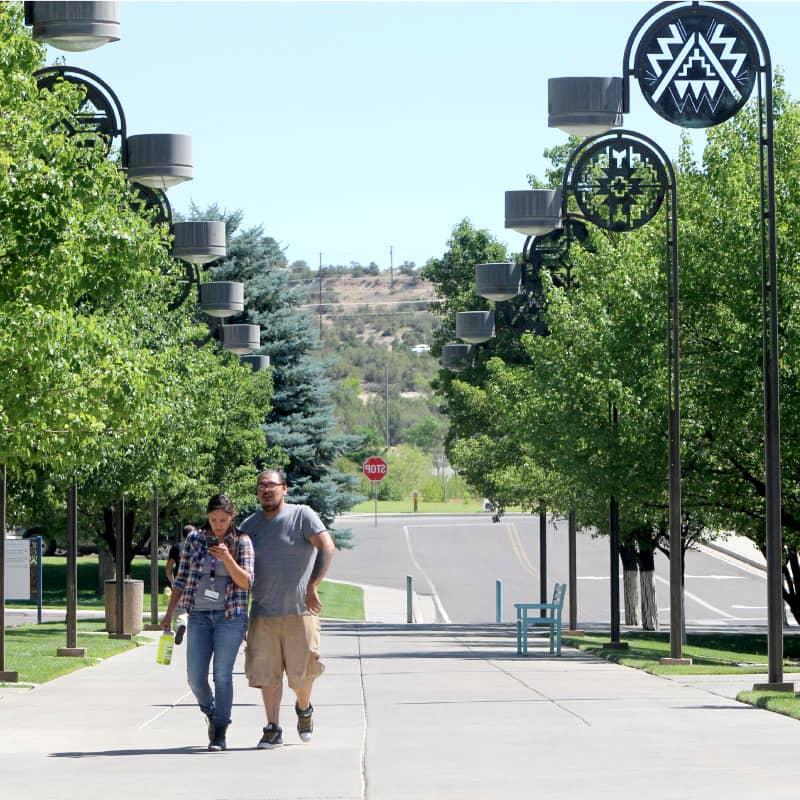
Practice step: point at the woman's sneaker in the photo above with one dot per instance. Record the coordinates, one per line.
(273, 737)
(218, 738)
(305, 722)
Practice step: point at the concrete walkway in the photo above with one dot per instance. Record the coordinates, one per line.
(403, 711)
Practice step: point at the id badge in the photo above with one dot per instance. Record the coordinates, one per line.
(211, 594)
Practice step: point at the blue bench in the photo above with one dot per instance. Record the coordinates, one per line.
(528, 616)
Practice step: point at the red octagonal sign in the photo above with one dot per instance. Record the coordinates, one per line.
(375, 468)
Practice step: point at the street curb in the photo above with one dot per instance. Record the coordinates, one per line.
(737, 556)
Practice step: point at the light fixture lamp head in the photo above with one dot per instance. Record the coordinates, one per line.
(475, 327)
(455, 355)
(584, 106)
(534, 212)
(497, 281)
(222, 298)
(199, 241)
(256, 362)
(74, 26)
(159, 160)
(241, 339)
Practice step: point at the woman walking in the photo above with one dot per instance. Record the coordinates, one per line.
(213, 584)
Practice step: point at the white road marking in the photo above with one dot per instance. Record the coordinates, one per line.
(699, 601)
(719, 577)
(440, 609)
(164, 711)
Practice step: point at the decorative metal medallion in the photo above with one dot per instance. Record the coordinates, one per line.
(619, 184)
(100, 115)
(696, 66)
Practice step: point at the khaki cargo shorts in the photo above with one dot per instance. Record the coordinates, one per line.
(283, 644)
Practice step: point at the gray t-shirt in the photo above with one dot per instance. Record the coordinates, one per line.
(284, 558)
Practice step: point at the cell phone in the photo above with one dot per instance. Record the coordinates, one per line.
(211, 540)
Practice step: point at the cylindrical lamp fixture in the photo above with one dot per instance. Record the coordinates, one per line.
(533, 212)
(455, 355)
(74, 26)
(475, 326)
(222, 298)
(241, 339)
(256, 362)
(199, 242)
(498, 281)
(584, 106)
(159, 160)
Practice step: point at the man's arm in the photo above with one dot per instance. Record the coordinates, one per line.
(325, 550)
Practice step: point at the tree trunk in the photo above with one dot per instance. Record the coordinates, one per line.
(627, 555)
(647, 581)
(105, 570)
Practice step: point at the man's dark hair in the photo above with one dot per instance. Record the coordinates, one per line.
(279, 473)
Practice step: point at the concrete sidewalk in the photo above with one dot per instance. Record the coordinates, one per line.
(403, 711)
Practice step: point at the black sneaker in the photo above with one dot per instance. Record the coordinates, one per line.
(305, 722)
(273, 737)
(179, 633)
(218, 738)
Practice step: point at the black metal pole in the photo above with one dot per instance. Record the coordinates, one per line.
(5, 675)
(72, 566)
(772, 445)
(613, 529)
(542, 557)
(572, 537)
(676, 624)
(154, 560)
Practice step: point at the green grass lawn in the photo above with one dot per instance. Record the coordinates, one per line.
(340, 600)
(407, 507)
(721, 653)
(787, 703)
(31, 649)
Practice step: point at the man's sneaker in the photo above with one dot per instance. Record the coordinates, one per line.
(218, 738)
(179, 633)
(305, 722)
(273, 737)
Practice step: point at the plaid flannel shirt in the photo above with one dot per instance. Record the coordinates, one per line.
(190, 569)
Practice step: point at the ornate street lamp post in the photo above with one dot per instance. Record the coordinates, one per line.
(619, 181)
(697, 65)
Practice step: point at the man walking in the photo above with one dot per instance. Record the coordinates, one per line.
(293, 551)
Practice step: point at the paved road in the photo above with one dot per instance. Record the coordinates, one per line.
(458, 559)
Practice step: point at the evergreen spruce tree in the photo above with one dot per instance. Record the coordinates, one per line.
(301, 421)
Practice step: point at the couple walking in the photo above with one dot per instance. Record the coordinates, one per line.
(280, 556)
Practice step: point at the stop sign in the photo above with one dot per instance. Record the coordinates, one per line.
(375, 468)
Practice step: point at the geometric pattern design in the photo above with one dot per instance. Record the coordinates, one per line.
(696, 66)
(620, 184)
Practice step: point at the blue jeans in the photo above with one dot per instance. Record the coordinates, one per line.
(210, 634)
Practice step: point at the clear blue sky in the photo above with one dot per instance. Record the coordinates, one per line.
(344, 128)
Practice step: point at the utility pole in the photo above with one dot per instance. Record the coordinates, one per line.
(391, 266)
(386, 375)
(320, 298)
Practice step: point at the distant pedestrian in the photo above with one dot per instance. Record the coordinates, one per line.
(293, 551)
(170, 570)
(215, 574)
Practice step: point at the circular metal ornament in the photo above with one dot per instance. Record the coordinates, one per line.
(619, 184)
(696, 66)
(100, 115)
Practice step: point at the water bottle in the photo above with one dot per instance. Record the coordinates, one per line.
(165, 645)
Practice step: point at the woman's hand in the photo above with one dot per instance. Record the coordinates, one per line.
(220, 551)
(166, 622)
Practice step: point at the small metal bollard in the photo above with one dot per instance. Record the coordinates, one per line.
(498, 600)
(409, 599)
